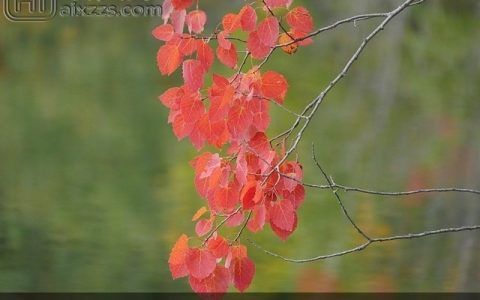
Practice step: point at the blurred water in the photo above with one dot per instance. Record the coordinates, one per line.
(94, 187)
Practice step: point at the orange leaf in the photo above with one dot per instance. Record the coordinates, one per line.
(285, 39)
(168, 59)
(199, 213)
(176, 261)
(274, 86)
(300, 19)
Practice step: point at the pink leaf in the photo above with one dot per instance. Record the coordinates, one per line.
(193, 73)
(200, 262)
(282, 215)
(256, 47)
(178, 20)
(163, 32)
(203, 227)
(248, 18)
(268, 31)
(196, 20)
(242, 270)
(278, 3)
(228, 57)
(205, 55)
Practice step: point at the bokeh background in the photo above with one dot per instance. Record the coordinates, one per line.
(95, 188)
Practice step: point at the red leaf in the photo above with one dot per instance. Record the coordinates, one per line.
(274, 86)
(196, 138)
(298, 35)
(257, 220)
(176, 261)
(261, 118)
(300, 19)
(200, 262)
(296, 196)
(239, 119)
(241, 169)
(215, 132)
(205, 55)
(251, 194)
(218, 246)
(220, 81)
(228, 57)
(203, 226)
(181, 128)
(231, 22)
(168, 59)
(181, 4)
(242, 271)
(221, 103)
(268, 31)
(278, 3)
(171, 97)
(214, 286)
(283, 234)
(226, 198)
(193, 73)
(163, 32)
(200, 162)
(187, 44)
(260, 145)
(292, 174)
(282, 215)
(256, 47)
(223, 41)
(192, 108)
(248, 18)
(196, 20)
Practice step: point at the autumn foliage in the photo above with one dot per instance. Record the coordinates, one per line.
(248, 183)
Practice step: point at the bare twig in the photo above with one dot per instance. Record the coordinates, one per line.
(334, 190)
(385, 193)
(220, 224)
(368, 243)
(243, 227)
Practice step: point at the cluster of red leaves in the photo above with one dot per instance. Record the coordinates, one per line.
(253, 185)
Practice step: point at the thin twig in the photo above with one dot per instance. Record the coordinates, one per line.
(402, 193)
(220, 225)
(368, 243)
(334, 190)
(243, 227)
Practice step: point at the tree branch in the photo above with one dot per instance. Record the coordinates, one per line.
(331, 185)
(368, 243)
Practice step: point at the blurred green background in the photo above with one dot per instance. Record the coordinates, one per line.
(95, 189)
